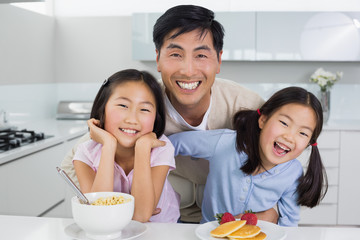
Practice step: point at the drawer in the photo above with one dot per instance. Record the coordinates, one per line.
(329, 139)
(331, 195)
(329, 157)
(332, 175)
(322, 214)
(32, 185)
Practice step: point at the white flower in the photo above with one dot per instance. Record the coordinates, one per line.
(325, 79)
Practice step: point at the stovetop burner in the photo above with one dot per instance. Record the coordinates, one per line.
(13, 138)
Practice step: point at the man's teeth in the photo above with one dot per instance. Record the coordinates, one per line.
(128, 131)
(188, 86)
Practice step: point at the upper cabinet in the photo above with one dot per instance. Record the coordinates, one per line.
(307, 36)
(271, 36)
(239, 39)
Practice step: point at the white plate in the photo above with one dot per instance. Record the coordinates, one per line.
(273, 231)
(132, 230)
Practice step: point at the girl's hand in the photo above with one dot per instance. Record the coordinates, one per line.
(149, 140)
(98, 134)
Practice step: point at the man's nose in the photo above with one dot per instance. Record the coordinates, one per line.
(188, 67)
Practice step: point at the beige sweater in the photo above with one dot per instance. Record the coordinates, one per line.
(228, 97)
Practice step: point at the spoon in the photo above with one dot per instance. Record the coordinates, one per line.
(76, 190)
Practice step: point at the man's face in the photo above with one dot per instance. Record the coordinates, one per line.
(188, 66)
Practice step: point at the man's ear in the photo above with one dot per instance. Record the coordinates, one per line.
(157, 59)
(261, 121)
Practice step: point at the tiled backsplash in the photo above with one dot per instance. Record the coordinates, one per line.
(34, 101)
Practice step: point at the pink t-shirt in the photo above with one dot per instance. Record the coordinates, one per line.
(89, 152)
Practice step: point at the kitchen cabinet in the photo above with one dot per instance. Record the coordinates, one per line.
(30, 185)
(239, 39)
(326, 212)
(349, 189)
(307, 36)
(143, 47)
(271, 36)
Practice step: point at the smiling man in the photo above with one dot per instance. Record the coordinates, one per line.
(189, 42)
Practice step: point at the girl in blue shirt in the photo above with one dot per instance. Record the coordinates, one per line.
(255, 166)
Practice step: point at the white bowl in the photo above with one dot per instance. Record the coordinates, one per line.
(102, 222)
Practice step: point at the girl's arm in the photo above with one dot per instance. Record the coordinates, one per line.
(103, 179)
(198, 144)
(148, 182)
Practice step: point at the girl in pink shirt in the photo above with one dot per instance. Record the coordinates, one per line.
(128, 151)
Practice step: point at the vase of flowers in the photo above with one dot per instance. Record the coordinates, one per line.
(325, 80)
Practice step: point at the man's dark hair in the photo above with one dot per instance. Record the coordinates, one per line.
(186, 18)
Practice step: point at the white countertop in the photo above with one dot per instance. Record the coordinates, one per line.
(61, 130)
(40, 228)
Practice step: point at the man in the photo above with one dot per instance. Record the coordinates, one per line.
(189, 45)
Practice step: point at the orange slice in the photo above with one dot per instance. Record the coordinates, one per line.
(247, 231)
(225, 229)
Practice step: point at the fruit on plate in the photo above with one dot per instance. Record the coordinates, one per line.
(224, 217)
(250, 217)
(238, 230)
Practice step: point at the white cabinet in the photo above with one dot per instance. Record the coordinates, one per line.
(307, 36)
(143, 47)
(270, 36)
(30, 185)
(326, 212)
(278, 35)
(239, 39)
(349, 189)
(338, 149)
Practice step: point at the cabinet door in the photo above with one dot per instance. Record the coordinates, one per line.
(349, 190)
(30, 185)
(307, 36)
(239, 39)
(143, 47)
(278, 35)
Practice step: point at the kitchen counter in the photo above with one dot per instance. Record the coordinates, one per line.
(60, 130)
(19, 228)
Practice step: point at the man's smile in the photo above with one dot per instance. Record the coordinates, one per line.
(188, 85)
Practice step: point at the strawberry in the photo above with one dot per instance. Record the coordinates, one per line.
(250, 217)
(224, 217)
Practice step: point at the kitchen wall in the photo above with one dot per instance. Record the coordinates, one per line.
(66, 57)
(26, 46)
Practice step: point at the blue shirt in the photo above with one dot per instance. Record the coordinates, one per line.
(228, 188)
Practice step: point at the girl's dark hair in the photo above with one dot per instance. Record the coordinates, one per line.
(105, 91)
(313, 185)
(186, 18)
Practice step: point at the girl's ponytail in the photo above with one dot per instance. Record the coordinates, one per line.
(245, 123)
(313, 185)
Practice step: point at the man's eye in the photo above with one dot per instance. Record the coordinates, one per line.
(175, 55)
(202, 56)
